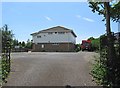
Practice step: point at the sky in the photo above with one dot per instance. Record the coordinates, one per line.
(24, 18)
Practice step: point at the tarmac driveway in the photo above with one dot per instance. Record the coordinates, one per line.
(51, 69)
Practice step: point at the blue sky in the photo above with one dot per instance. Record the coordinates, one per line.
(24, 18)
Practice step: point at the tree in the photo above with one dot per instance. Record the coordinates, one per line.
(95, 43)
(115, 12)
(23, 44)
(29, 44)
(77, 47)
(91, 38)
(15, 43)
(7, 37)
(100, 8)
(109, 11)
(20, 44)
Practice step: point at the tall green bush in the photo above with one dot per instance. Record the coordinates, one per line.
(7, 37)
(95, 43)
(105, 71)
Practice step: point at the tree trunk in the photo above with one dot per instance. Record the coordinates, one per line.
(107, 7)
(110, 50)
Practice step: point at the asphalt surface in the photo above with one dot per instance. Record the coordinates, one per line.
(51, 69)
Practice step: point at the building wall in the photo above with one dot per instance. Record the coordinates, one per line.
(53, 47)
(54, 38)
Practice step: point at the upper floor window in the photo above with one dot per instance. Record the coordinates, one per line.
(50, 32)
(38, 36)
(55, 32)
(55, 44)
(61, 32)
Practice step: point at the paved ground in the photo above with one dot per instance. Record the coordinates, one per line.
(51, 69)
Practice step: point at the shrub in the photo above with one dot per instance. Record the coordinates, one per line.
(98, 71)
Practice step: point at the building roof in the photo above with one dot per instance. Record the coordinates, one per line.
(55, 29)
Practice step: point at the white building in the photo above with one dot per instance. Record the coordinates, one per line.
(54, 39)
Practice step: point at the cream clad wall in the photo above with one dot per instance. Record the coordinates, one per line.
(55, 37)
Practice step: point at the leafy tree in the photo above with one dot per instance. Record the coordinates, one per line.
(77, 47)
(7, 36)
(95, 43)
(29, 44)
(15, 43)
(20, 44)
(101, 9)
(23, 44)
(109, 11)
(115, 11)
(91, 38)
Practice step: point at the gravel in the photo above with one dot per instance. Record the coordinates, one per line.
(51, 69)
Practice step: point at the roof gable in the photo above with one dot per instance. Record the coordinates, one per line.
(55, 29)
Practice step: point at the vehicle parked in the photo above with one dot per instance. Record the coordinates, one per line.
(86, 45)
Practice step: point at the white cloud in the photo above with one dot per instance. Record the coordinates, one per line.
(85, 18)
(78, 16)
(48, 18)
(88, 19)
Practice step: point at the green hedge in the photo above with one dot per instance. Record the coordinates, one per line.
(106, 71)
